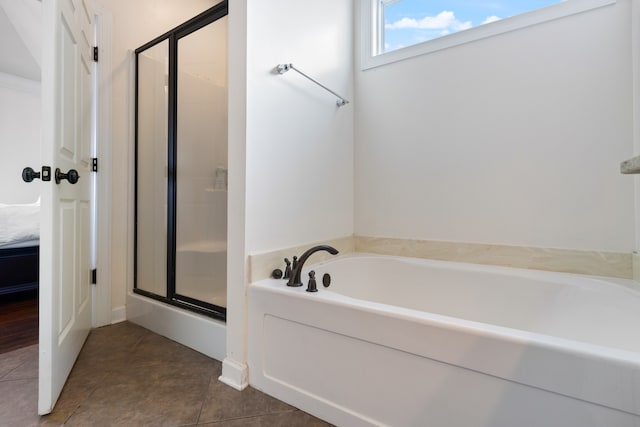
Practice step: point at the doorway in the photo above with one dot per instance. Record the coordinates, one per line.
(20, 130)
(20, 102)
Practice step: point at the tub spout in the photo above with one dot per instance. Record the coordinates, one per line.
(294, 280)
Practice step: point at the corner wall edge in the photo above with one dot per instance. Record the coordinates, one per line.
(234, 374)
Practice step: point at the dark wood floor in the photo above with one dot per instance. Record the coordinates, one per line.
(18, 320)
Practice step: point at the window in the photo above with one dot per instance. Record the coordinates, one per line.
(408, 22)
(399, 29)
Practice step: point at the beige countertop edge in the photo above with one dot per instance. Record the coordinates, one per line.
(631, 165)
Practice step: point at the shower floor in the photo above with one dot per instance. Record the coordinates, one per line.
(203, 289)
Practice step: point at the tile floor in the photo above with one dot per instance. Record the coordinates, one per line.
(128, 376)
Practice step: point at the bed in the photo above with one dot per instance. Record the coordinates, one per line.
(19, 247)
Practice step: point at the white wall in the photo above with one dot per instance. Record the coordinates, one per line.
(20, 112)
(290, 147)
(299, 143)
(134, 23)
(515, 139)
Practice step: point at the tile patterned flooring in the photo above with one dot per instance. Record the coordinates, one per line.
(128, 376)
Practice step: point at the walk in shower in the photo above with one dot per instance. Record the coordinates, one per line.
(181, 165)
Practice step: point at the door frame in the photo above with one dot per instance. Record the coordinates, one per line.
(103, 314)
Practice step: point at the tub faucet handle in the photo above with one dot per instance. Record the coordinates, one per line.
(287, 269)
(294, 265)
(312, 286)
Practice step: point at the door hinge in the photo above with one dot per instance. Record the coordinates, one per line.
(95, 53)
(94, 276)
(94, 164)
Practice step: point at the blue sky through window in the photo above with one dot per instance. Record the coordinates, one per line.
(408, 22)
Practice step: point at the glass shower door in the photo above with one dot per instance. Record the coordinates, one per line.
(151, 169)
(181, 165)
(201, 160)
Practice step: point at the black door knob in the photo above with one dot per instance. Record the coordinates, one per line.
(28, 174)
(71, 176)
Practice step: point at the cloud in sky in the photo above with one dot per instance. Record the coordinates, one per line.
(408, 22)
(445, 20)
(491, 19)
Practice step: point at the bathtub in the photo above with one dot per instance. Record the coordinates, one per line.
(409, 342)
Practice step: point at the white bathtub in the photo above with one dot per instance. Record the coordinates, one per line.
(408, 342)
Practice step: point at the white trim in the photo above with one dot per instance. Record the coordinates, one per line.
(102, 310)
(233, 371)
(19, 84)
(118, 314)
(369, 58)
(131, 170)
(234, 374)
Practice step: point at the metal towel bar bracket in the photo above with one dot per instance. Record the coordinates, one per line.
(283, 68)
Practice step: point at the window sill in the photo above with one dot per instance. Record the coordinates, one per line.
(549, 13)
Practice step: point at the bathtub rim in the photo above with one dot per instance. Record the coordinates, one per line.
(513, 335)
(484, 329)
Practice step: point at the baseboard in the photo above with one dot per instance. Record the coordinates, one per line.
(118, 314)
(234, 374)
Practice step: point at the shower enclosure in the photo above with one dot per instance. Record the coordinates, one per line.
(181, 165)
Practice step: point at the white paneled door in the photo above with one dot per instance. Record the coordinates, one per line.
(65, 271)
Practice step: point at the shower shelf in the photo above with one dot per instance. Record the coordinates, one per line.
(215, 190)
(204, 246)
(630, 166)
